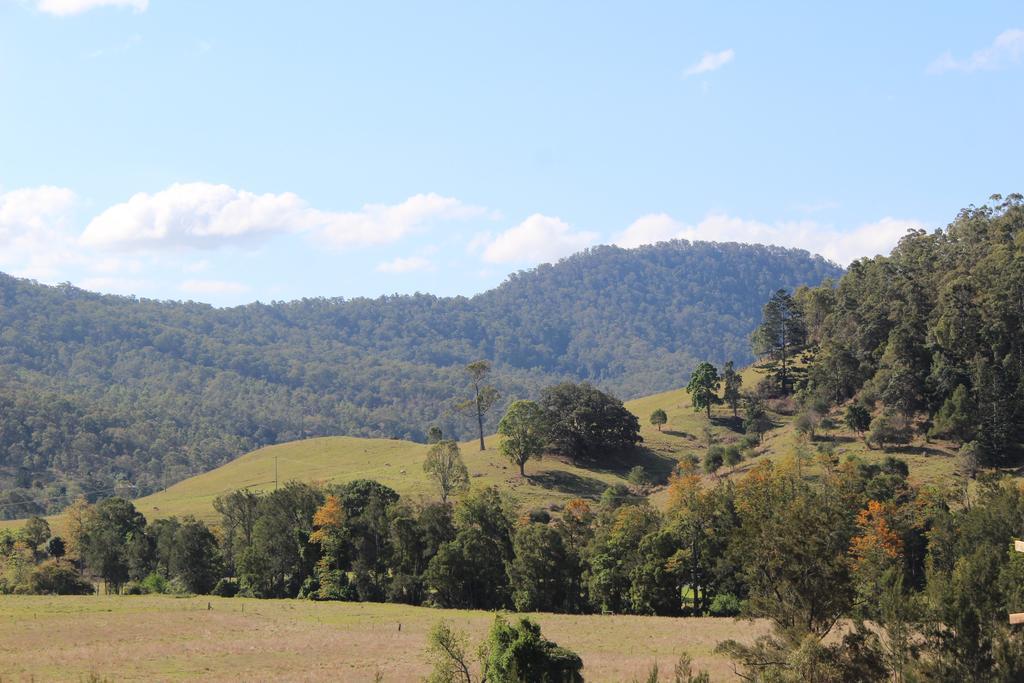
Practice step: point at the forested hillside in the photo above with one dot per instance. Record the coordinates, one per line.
(930, 340)
(103, 392)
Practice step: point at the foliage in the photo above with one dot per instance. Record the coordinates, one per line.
(524, 433)
(659, 418)
(782, 331)
(703, 387)
(517, 653)
(444, 465)
(733, 382)
(586, 424)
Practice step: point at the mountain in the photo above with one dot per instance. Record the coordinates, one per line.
(98, 391)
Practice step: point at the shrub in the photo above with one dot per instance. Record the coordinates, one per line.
(725, 605)
(225, 588)
(52, 578)
(133, 588)
(638, 476)
(518, 652)
(154, 583)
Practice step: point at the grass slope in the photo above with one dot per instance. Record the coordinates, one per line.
(399, 464)
(166, 638)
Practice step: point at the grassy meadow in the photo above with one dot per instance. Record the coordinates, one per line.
(165, 638)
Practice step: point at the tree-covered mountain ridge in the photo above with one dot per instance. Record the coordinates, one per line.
(100, 388)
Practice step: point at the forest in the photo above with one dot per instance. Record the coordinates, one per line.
(104, 394)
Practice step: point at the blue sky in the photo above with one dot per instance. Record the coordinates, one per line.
(233, 151)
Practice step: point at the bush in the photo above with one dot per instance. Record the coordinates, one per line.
(638, 476)
(133, 588)
(518, 652)
(538, 516)
(725, 605)
(51, 578)
(154, 583)
(225, 588)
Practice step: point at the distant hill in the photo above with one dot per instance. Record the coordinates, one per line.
(98, 391)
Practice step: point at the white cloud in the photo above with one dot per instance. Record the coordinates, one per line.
(650, 229)
(35, 237)
(204, 215)
(212, 287)
(383, 223)
(840, 246)
(538, 239)
(65, 8)
(196, 214)
(711, 61)
(404, 265)
(1007, 49)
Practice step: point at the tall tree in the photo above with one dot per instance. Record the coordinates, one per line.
(523, 433)
(484, 395)
(703, 387)
(584, 423)
(444, 465)
(733, 383)
(782, 330)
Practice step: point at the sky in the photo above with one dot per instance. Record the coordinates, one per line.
(234, 151)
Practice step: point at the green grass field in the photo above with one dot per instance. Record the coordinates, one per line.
(164, 638)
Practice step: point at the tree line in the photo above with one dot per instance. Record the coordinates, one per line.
(861, 574)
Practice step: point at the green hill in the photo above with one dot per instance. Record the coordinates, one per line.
(101, 391)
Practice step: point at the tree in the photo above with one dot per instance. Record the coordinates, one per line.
(781, 331)
(449, 654)
(195, 557)
(757, 421)
(583, 422)
(658, 418)
(956, 418)
(444, 465)
(107, 532)
(434, 434)
(523, 433)
(703, 387)
(36, 532)
(517, 653)
(714, 457)
(468, 573)
(55, 548)
(732, 456)
(484, 395)
(544, 575)
(857, 418)
(733, 383)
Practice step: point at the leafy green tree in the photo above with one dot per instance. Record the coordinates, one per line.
(732, 456)
(523, 432)
(105, 538)
(238, 511)
(889, 428)
(756, 419)
(445, 466)
(585, 423)
(781, 332)
(956, 418)
(484, 395)
(544, 575)
(53, 578)
(733, 383)
(857, 418)
(35, 533)
(658, 418)
(468, 573)
(714, 458)
(517, 653)
(703, 387)
(195, 557)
